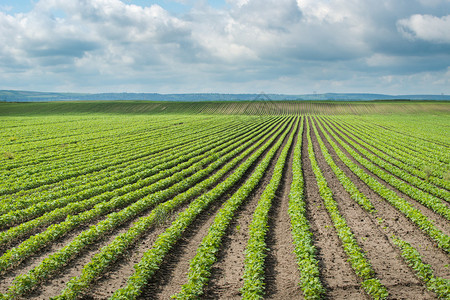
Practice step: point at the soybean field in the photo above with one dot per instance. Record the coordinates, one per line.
(224, 200)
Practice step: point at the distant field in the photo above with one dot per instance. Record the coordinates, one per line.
(225, 200)
(229, 107)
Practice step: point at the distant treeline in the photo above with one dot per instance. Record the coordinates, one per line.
(30, 96)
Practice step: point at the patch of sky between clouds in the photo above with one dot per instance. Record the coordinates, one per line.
(16, 6)
(177, 6)
(173, 6)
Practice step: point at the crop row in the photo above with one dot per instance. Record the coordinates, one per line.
(147, 177)
(157, 147)
(304, 248)
(419, 183)
(70, 133)
(256, 249)
(115, 249)
(28, 247)
(139, 177)
(432, 150)
(87, 185)
(83, 149)
(206, 253)
(399, 158)
(438, 285)
(426, 199)
(129, 193)
(69, 149)
(390, 196)
(427, 128)
(402, 146)
(113, 173)
(357, 259)
(93, 163)
(346, 182)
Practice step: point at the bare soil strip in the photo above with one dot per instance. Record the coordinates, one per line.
(392, 271)
(282, 275)
(172, 274)
(440, 222)
(394, 222)
(337, 275)
(227, 272)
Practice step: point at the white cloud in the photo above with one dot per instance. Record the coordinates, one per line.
(426, 27)
(112, 32)
(101, 45)
(238, 3)
(322, 10)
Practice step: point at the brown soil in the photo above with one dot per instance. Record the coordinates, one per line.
(392, 271)
(172, 273)
(440, 222)
(336, 273)
(282, 275)
(116, 276)
(395, 223)
(227, 272)
(30, 263)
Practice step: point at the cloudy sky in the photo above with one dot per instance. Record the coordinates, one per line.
(226, 46)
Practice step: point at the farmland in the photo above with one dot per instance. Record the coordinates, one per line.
(229, 200)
